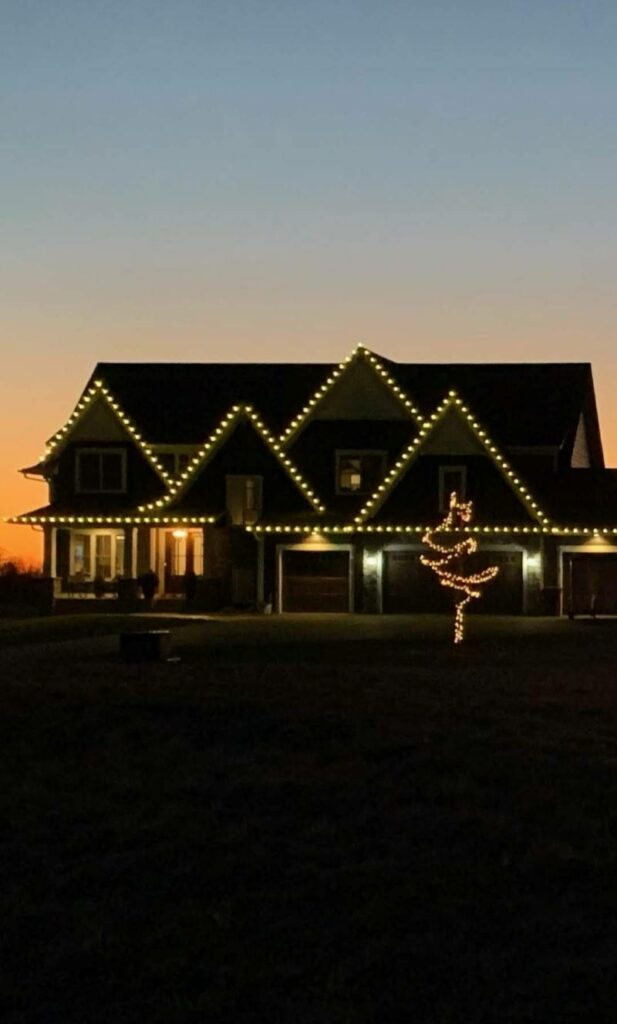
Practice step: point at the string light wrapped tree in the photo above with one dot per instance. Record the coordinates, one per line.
(446, 561)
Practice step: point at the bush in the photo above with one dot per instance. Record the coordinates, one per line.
(21, 590)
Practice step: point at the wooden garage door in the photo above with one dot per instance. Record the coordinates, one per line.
(590, 584)
(315, 581)
(409, 586)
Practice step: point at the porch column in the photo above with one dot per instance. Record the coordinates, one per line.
(130, 553)
(49, 551)
(260, 569)
(142, 545)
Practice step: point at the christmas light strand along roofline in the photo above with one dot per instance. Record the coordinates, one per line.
(451, 401)
(359, 352)
(595, 531)
(97, 391)
(78, 519)
(446, 555)
(237, 413)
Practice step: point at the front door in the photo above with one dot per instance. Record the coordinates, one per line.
(183, 554)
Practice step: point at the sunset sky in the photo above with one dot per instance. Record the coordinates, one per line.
(280, 180)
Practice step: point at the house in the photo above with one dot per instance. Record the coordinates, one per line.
(310, 486)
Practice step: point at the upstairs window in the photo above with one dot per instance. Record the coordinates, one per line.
(244, 499)
(173, 463)
(451, 478)
(100, 471)
(359, 472)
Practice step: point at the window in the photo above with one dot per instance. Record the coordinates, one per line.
(198, 553)
(173, 463)
(178, 553)
(359, 472)
(80, 555)
(100, 470)
(97, 553)
(451, 478)
(244, 499)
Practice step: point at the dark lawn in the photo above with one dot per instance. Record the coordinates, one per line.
(371, 827)
(50, 629)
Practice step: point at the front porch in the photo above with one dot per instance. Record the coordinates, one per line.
(204, 564)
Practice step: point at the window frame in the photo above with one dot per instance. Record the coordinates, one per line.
(91, 536)
(79, 489)
(444, 499)
(355, 453)
(249, 515)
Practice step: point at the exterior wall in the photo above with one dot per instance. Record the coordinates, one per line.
(142, 482)
(580, 450)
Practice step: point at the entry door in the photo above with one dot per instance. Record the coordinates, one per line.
(315, 581)
(175, 561)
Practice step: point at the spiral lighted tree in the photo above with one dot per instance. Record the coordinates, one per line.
(447, 560)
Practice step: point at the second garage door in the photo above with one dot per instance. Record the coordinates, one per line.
(315, 581)
(410, 587)
(590, 584)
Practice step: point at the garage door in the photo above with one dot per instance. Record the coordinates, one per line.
(590, 584)
(409, 586)
(315, 581)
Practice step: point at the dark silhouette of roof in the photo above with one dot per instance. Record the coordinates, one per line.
(524, 404)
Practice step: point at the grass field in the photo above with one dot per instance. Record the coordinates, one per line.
(313, 820)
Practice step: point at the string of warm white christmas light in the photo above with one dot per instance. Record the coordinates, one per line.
(103, 520)
(458, 512)
(99, 391)
(359, 352)
(408, 528)
(238, 412)
(401, 465)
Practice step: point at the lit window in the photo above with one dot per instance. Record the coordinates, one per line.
(359, 472)
(100, 471)
(81, 554)
(97, 553)
(178, 553)
(198, 553)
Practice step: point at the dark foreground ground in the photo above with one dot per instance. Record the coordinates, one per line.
(313, 820)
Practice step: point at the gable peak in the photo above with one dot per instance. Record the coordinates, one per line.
(451, 401)
(360, 352)
(235, 415)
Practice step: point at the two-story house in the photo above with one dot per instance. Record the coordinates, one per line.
(310, 486)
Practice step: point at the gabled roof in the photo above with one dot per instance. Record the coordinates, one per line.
(405, 460)
(97, 391)
(580, 497)
(336, 375)
(215, 442)
(534, 404)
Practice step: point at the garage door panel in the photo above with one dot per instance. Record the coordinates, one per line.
(410, 587)
(315, 581)
(591, 584)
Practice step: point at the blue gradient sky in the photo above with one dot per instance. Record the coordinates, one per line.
(276, 180)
